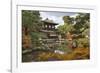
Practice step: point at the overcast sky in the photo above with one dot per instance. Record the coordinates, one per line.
(56, 16)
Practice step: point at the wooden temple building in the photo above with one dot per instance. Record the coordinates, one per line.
(51, 33)
(49, 29)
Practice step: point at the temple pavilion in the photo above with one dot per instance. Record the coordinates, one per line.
(51, 33)
(48, 27)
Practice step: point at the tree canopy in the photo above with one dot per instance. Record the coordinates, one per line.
(76, 25)
(82, 22)
(67, 26)
(31, 19)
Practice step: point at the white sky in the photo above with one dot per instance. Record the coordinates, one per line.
(56, 16)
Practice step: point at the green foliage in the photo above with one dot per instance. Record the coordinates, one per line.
(81, 28)
(67, 26)
(68, 19)
(63, 47)
(82, 22)
(31, 19)
(86, 32)
(63, 29)
(83, 42)
(35, 39)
